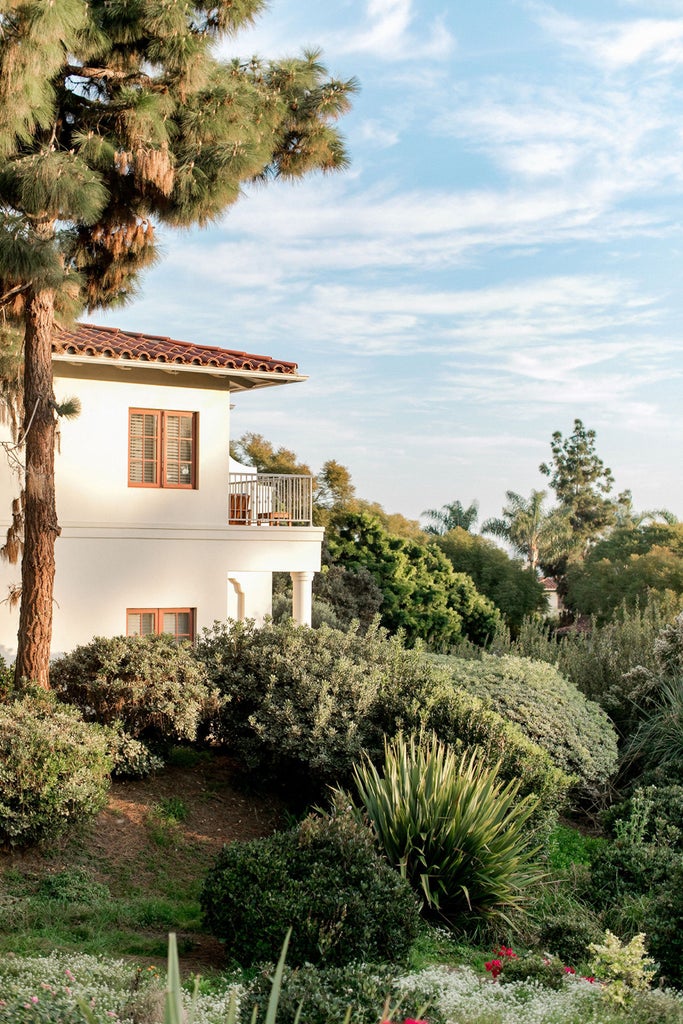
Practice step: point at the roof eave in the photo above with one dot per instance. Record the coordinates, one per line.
(239, 380)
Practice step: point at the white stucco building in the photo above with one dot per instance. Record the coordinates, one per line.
(160, 530)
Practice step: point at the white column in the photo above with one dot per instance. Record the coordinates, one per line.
(302, 597)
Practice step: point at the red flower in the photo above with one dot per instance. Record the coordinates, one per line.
(569, 970)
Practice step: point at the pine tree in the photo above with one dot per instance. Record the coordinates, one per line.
(114, 117)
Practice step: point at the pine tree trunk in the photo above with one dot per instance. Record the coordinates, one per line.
(40, 527)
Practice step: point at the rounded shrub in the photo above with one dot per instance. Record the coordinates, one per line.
(464, 721)
(326, 881)
(54, 769)
(151, 685)
(302, 704)
(576, 733)
(452, 828)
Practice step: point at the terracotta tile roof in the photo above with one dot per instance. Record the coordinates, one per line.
(110, 342)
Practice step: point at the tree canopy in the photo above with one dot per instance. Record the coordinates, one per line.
(581, 483)
(423, 595)
(451, 516)
(513, 588)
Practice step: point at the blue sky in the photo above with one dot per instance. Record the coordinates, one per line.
(505, 253)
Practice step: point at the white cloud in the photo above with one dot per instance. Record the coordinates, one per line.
(389, 33)
(616, 45)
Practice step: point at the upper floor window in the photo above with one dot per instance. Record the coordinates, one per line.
(179, 622)
(162, 448)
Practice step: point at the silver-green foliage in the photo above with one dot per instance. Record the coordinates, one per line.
(54, 769)
(599, 660)
(550, 710)
(152, 686)
(451, 827)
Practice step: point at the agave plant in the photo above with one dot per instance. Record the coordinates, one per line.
(451, 827)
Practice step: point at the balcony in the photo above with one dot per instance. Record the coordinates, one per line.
(269, 499)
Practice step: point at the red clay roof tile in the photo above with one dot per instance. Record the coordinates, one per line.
(110, 342)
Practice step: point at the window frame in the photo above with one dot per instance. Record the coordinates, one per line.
(160, 481)
(158, 614)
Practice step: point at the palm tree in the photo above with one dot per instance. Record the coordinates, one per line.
(534, 533)
(448, 517)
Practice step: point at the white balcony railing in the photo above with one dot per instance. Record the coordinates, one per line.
(269, 499)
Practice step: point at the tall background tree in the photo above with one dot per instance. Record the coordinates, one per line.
(113, 118)
(582, 483)
(451, 517)
(537, 534)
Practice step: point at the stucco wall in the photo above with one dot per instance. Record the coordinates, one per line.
(124, 547)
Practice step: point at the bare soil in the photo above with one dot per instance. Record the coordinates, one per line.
(133, 847)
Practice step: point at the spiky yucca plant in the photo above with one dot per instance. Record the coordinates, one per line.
(451, 827)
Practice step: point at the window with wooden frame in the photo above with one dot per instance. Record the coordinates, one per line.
(162, 448)
(178, 622)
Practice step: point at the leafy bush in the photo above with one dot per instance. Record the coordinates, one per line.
(625, 968)
(302, 704)
(132, 759)
(151, 685)
(325, 879)
(464, 721)
(542, 968)
(550, 710)
(597, 660)
(73, 885)
(54, 769)
(458, 834)
(637, 879)
(6, 681)
(325, 993)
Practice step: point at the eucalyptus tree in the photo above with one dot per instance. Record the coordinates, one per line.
(115, 117)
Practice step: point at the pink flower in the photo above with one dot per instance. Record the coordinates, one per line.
(569, 970)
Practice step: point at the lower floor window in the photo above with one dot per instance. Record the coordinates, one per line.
(178, 622)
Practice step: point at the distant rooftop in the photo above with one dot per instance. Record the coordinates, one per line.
(112, 343)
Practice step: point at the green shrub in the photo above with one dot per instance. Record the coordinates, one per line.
(303, 704)
(566, 846)
(464, 721)
(598, 660)
(458, 834)
(153, 686)
(568, 932)
(131, 758)
(325, 994)
(324, 879)
(6, 681)
(54, 769)
(576, 733)
(73, 885)
(542, 968)
(662, 922)
(637, 878)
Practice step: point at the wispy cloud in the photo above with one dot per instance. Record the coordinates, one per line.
(615, 45)
(391, 31)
